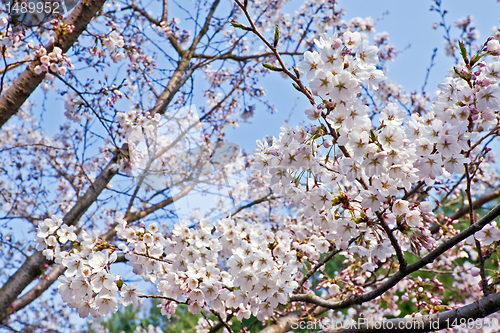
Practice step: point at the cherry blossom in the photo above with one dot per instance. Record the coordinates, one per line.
(347, 213)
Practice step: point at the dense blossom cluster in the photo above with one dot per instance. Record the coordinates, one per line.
(378, 157)
(87, 283)
(240, 266)
(244, 267)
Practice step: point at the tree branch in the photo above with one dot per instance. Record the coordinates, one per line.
(28, 81)
(403, 272)
(438, 321)
(316, 267)
(394, 242)
(173, 84)
(268, 197)
(285, 70)
(171, 38)
(232, 56)
(34, 265)
(164, 15)
(465, 209)
(37, 290)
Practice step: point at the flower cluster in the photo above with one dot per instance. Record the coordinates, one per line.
(363, 24)
(112, 43)
(244, 267)
(73, 106)
(134, 125)
(10, 38)
(164, 28)
(54, 61)
(87, 283)
(60, 27)
(51, 233)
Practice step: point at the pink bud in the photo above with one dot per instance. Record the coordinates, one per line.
(372, 148)
(493, 46)
(336, 43)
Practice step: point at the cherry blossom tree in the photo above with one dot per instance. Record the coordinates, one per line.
(370, 215)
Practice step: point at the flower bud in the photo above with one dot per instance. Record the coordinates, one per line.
(336, 43)
(493, 46)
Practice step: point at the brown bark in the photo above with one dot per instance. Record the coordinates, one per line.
(36, 291)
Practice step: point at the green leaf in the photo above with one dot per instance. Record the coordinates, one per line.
(238, 25)
(276, 35)
(463, 51)
(475, 59)
(273, 68)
